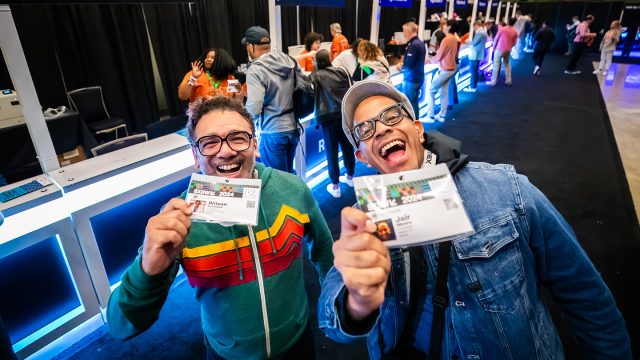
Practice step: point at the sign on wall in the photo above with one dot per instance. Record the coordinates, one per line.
(436, 3)
(461, 3)
(396, 3)
(324, 3)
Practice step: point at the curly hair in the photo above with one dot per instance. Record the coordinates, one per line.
(368, 51)
(310, 38)
(203, 106)
(223, 64)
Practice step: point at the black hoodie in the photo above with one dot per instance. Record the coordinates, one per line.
(447, 150)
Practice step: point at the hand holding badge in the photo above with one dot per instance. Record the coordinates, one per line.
(223, 200)
(413, 207)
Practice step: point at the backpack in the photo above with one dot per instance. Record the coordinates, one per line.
(303, 96)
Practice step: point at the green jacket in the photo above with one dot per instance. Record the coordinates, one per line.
(239, 297)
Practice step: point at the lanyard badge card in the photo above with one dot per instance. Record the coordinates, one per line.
(413, 207)
(224, 201)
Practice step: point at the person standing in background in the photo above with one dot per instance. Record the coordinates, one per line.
(330, 84)
(520, 26)
(608, 46)
(446, 60)
(412, 65)
(477, 53)
(584, 38)
(208, 77)
(504, 42)
(372, 64)
(571, 34)
(270, 84)
(348, 60)
(311, 46)
(543, 38)
(339, 42)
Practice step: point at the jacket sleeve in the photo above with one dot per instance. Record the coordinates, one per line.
(319, 239)
(134, 306)
(255, 93)
(574, 282)
(477, 39)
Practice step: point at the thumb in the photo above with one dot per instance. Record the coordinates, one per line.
(355, 221)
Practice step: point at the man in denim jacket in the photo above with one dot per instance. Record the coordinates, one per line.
(495, 308)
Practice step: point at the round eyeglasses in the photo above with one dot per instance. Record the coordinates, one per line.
(390, 116)
(210, 145)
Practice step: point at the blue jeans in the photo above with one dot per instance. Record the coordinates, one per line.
(277, 150)
(412, 91)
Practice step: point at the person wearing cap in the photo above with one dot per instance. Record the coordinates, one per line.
(339, 42)
(475, 297)
(270, 85)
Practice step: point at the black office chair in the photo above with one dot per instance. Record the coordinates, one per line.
(90, 104)
(118, 144)
(165, 127)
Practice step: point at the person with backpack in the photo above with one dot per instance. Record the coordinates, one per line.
(608, 46)
(271, 81)
(330, 83)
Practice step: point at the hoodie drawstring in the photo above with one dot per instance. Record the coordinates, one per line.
(235, 246)
(266, 224)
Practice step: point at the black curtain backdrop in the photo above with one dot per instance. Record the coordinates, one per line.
(322, 17)
(5, 78)
(176, 43)
(104, 45)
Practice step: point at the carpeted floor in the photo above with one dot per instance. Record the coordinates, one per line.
(554, 129)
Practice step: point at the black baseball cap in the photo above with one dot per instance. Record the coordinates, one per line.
(254, 35)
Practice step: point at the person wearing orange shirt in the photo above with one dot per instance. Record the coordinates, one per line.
(306, 59)
(209, 76)
(340, 42)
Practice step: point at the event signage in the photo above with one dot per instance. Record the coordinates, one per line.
(435, 3)
(396, 3)
(482, 4)
(461, 3)
(324, 3)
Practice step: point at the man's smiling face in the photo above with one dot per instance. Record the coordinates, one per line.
(391, 148)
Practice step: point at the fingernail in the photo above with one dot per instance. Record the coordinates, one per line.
(370, 226)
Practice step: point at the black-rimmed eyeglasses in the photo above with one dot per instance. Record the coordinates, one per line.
(210, 145)
(390, 116)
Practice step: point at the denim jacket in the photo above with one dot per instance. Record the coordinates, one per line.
(495, 311)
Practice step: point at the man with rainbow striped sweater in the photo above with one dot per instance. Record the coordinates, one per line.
(252, 293)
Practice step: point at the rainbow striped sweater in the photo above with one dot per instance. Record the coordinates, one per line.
(250, 309)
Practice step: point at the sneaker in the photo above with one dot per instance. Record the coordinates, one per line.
(567, 53)
(335, 192)
(508, 83)
(577, 72)
(537, 73)
(490, 83)
(596, 71)
(572, 72)
(439, 118)
(536, 69)
(346, 180)
(604, 72)
(469, 89)
(428, 120)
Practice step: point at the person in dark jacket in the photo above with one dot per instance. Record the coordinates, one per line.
(331, 83)
(543, 38)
